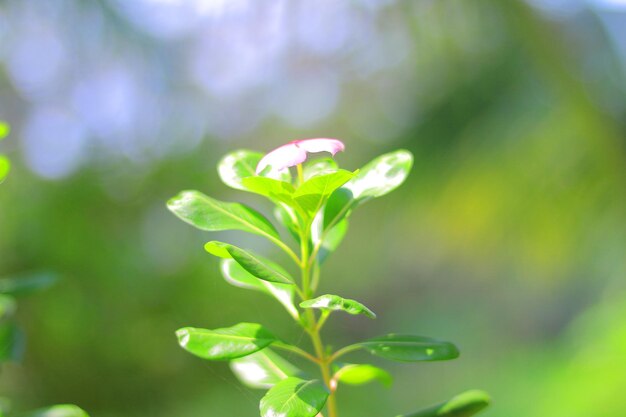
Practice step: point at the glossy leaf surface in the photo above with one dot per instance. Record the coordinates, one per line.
(256, 265)
(294, 397)
(377, 178)
(66, 410)
(272, 188)
(236, 275)
(362, 374)
(227, 343)
(209, 214)
(262, 369)
(381, 175)
(466, 404)
(329, 240)
(320, 166)
(236, 166)
(408, 348)
(288, 218)
(335, 302)
(313, 193)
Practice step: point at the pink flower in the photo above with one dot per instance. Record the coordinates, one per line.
(295, 152)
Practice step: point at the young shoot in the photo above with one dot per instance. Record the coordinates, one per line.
(313, 200)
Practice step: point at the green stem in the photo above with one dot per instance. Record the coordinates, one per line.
(296, 350)
(300, 174)
(324, 365)
(343, 351)
(322, 320)
(314, 327)
(285, 248)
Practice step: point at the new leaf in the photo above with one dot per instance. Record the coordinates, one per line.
(242, 163)
(313, 193)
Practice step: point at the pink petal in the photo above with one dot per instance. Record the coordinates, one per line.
(295, 152)
(320, 145)
(283, 157)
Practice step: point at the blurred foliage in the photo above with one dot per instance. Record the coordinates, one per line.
(509, 237)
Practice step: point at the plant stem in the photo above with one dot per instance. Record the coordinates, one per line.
(343, 351)
(296, 350)
(300, 174)
(324, 364)
(314, 327)
(285, 248)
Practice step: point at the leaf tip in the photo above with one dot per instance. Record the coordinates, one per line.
(183, 336)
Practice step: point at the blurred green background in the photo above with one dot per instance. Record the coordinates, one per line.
(509, 238)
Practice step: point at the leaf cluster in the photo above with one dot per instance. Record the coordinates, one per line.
(313, 205)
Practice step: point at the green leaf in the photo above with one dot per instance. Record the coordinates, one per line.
(27, 283)
(377, 178)
(408, 348)
(382, 175)
(320, 166)
(236, 166)
(466, 404)
(254, 264)
(224, 344)
(294, 397)
(242, 163)
(313, 193)
(288, 218)
(7, 306)
(235, 274)
(5, 129)
(338, 208)
(11, 342)
(328, 241)
(206, 213)
(272, 188)
(334, 302)
(65, 410)
(5, 167)
(362, 374)
(262, 369)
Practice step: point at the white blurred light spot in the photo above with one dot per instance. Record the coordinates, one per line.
(614, 5)
(308, 100)
(173, 19)
(237, 55)
(54, 143)
(251, 370)
(106, 102)
(35, 63)
(324, 26)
